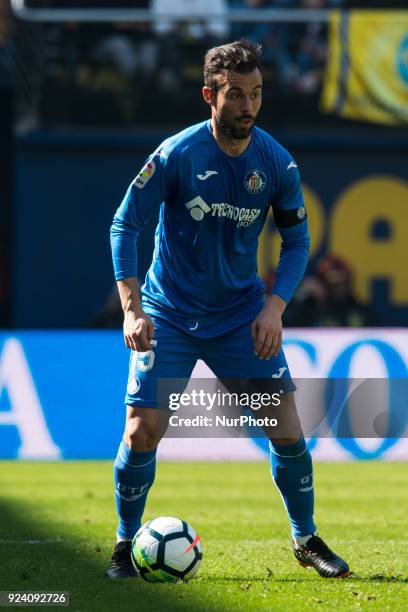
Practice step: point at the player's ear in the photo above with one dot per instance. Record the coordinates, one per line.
(208, 94)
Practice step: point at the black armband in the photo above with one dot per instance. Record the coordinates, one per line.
(288, 218)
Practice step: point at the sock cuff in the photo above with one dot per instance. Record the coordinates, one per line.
(136, 458)
(289, 450)
(300, 540)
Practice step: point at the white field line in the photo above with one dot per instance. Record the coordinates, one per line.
(373, 542)
(57, 541)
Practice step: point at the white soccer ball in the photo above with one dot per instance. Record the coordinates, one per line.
(166, 549)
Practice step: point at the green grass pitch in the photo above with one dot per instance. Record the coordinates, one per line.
(57, 525)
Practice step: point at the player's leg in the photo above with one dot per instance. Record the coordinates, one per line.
(233, 356)
(172, 355)
(291, 462)
(135, 465)
(134, 473)
(292, 471)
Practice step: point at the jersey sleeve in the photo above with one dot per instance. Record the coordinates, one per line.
(291, 221)
(149, 189)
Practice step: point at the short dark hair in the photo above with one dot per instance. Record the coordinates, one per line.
(241, 56)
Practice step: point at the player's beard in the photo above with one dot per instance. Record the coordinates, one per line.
(230, 127)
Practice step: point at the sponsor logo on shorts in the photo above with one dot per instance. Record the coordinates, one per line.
(280, 373)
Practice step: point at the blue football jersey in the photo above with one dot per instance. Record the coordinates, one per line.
(212, 210)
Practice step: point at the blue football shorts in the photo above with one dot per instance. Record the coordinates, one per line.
(175, 352)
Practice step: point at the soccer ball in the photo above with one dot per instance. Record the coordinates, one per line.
(166, 549)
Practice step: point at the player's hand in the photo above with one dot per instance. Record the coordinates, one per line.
(138, 330)
(267, 329)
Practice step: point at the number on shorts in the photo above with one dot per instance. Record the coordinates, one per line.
(145, 360)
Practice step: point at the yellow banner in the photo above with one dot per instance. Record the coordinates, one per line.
(367, 70)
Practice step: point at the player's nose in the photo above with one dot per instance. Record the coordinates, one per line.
(246, 105)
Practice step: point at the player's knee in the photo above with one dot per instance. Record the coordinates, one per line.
(288, 430)
(140, 436)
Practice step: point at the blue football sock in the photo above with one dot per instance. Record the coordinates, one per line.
(292, 471)
(134, 475)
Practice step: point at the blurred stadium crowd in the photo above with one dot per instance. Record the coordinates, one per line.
(324, 299)
(114, 73)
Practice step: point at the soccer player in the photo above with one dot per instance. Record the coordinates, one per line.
(202, 299)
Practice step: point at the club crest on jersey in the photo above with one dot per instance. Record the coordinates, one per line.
(301, 213)
(145, 174)
(255, 181)
(133, 385)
